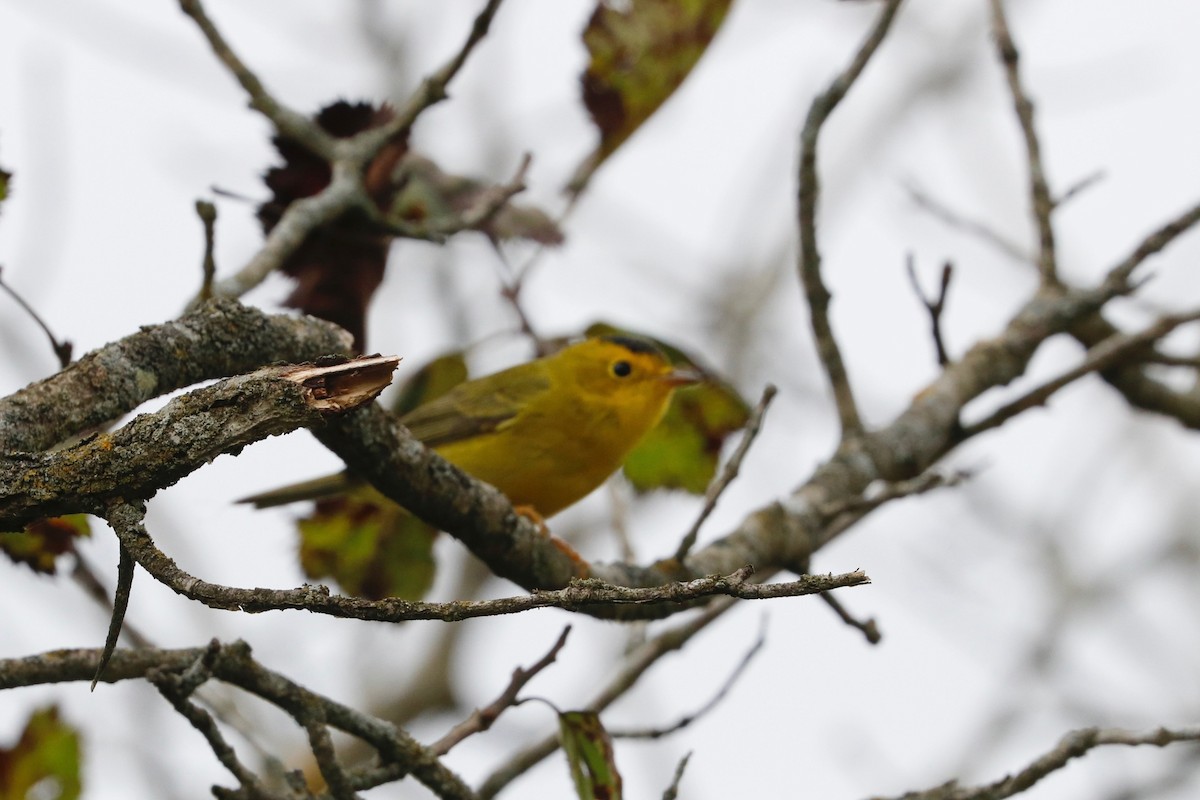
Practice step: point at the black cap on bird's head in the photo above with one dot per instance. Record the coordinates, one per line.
(635, 345)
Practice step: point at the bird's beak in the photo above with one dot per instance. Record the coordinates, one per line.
(681, 377)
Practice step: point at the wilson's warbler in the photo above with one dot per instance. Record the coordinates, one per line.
(545, 433)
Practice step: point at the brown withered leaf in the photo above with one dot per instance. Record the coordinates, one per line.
(339, 266)
(640, 53)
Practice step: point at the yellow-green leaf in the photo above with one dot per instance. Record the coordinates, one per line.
(372, 547)
(46, 756)
(682, 451)
(369, 545)
(589, 752)
(641, 50)
(43, 541)
(431, 381)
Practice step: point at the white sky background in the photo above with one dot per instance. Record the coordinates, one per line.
(115, 117)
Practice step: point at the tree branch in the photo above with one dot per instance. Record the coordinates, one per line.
(347, 157)
(815, 291)
(216, 340)
(627, 674)
(482, 719)
(1041, 202)
(289, 123)
(1073, 745)
(400, 754)
(156, 450)
(590, 596)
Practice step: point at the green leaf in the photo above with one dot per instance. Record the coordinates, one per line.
(372, 547)
(47, 756)
(682, 451)
(589, 752)
(431, 381)
(641, 51)
(43, 541)
(369, 545)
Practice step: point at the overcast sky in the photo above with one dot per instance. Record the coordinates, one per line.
(115, 117)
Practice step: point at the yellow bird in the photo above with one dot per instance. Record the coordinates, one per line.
(545, 433)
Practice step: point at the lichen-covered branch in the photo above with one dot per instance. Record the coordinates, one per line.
(591, 596)
(216, 340)
(155, 450)
(180, 672)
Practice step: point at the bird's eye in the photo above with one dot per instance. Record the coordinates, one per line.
(621, 368)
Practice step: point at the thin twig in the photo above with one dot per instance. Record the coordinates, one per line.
(1042, 204)
(176, 690)
(431, 91)
(1071, 746)
(511, 285)
(881, 493)
(128, 524)
(299, 219)
(672, 791)
(287, 122)
(400, 754)
(62, 349)
(1080, 186)
(972, 227)
(482, 719)
(728, 473)
(489, 202)
(119, 607)
(935, 307)
(868, 627)
(816, 293)
(208, 217)
(1167, 233)
(323, 751)
(714, 701)
(1103, 356)
(85, 577)
(347, 157)
(627, 675)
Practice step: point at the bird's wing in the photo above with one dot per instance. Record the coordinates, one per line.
(476, 407)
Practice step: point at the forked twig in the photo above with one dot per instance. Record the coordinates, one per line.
(935, 307)
(482, 719)
(1105, 355)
